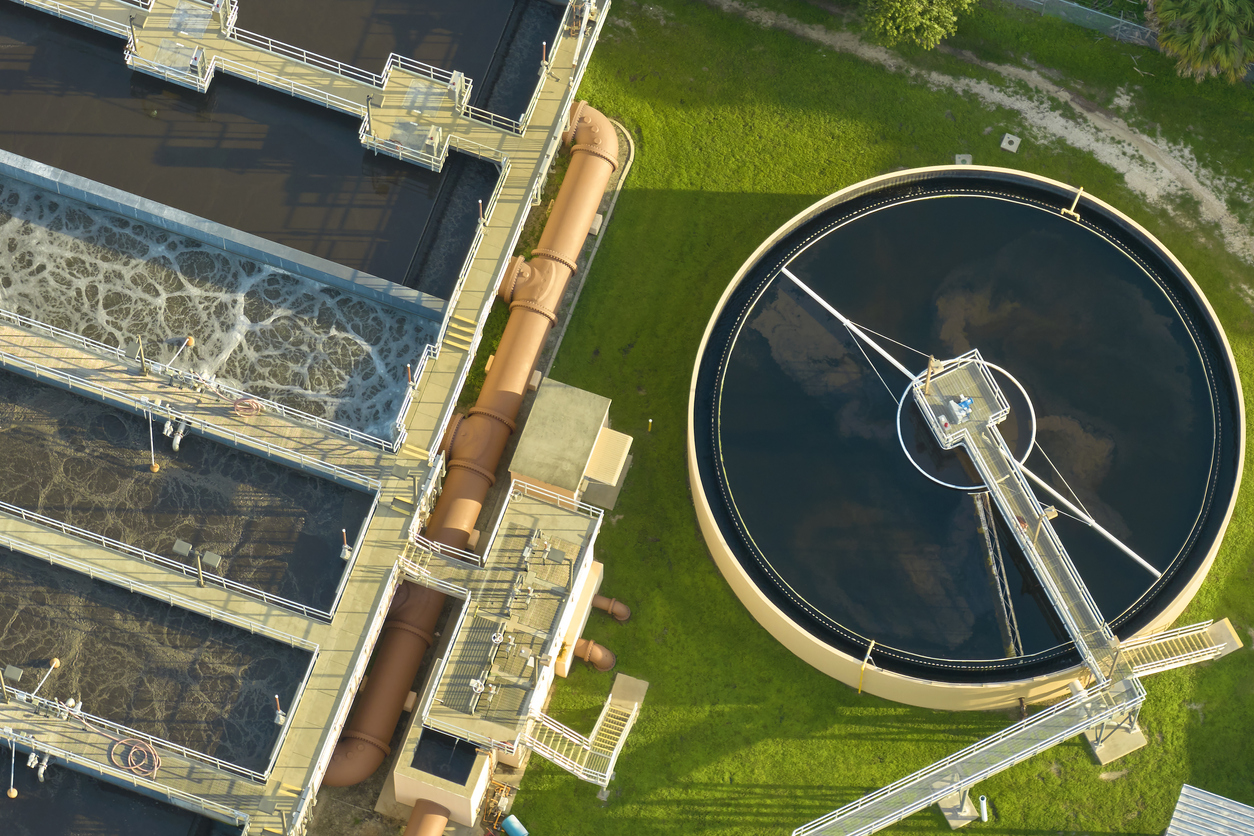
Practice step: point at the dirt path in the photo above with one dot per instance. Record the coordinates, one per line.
(1153, 169)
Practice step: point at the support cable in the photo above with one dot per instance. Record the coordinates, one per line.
(1054, 468)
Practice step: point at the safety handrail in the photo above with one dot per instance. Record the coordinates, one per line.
(553, 47)
(304, 56)
(201, 425)
(102, 24)
(129, 584)
(61, 710)
(398, 428)
(487, 117)
(150, 557)
(451, 552)
(1177, 632)
(409, 65)
(356, 552)
(189, 801)
(223, 390)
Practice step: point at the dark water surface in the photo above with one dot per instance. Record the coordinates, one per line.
(832, 514)
(87, 464)
(68, 803)
(240, 155)
(158, 669)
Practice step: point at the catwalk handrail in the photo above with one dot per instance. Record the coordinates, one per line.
(418, 68)
(1176, 632)
(50, 707)
(105, 393)
(304, 56)
(290, 715)
(554, 45)
(102, 24)
(943, 771)
(399, 432)
(121, 776)
(150, 557)
(358, 542)
(130, 585)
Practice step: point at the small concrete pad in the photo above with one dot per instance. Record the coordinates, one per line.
(13, 673)
(958, 808)
(1222, 632)
(1010, 143)
(1115, 744)
(962, 159)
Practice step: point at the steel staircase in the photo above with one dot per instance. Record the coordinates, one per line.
(592, 759)
(1172, 649)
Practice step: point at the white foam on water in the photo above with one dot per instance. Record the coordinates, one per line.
(293, 340)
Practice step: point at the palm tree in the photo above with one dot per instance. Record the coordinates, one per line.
(1206, 37)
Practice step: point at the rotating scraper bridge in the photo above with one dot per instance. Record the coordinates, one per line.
(962, 404)
(416, 113)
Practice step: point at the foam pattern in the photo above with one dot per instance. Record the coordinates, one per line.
(290, 339)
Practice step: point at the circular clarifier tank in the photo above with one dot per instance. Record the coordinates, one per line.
(834, 513)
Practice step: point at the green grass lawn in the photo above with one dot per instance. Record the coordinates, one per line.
(737, 128)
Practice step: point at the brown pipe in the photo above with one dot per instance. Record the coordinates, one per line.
(599, 656)
(406, 635)
(534, 291)
(475, 443)
(613, 606)
(428, 819)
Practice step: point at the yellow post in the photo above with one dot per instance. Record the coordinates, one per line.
(865, 659)
(932, 365)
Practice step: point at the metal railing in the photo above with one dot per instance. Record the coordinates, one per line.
(487, 117)
(418, 68)
(357, 544)
(437, 670)
(398, 427)
(222, 390)
(110, 773)
(199, 425)
(973, 764)
(54, 708)
(165, 562)
(451, 552)
(312, 59)
(554, 46)
(100, 24)
(291, 714)
(433, 160)
(131, 585)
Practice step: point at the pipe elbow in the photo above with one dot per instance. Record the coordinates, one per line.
(613, 606)
(591, 132)
(599, 656)
(352, 762)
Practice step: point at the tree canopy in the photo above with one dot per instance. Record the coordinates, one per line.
(1207, 37)
(924, 22)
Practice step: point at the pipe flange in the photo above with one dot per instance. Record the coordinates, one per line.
(496, 416)
(597, 151)
(554, 255)
(476, 469)
(353, 734)
(535, 307)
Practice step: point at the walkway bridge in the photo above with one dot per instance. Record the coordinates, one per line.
(963, 405)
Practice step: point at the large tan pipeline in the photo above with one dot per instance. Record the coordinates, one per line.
(534, 291)
(406, 635)
(427, 819)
